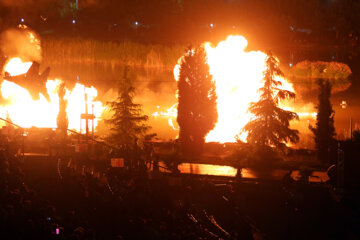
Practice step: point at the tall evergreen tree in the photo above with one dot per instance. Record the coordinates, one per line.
(270, 125)
(324, 130)
(128, 122)
(197, 109)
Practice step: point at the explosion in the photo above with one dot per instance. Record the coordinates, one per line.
(238, 76)
(26, 112)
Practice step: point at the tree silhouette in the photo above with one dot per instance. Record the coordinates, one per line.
(270, 124)
(324, 131)
(197, 111)
(128, 122)
(356, 135)
(62, 118)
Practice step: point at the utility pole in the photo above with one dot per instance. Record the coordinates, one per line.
(86, 116)
(86, 119)
(92, 107)
(23, 133)
(344, 105)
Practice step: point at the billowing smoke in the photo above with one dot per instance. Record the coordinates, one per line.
(21, 42)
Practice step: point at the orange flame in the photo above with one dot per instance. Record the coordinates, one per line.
(171, 113)
(238, 76)
(15, 66)
(26, 112)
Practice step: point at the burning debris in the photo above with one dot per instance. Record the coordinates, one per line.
(32, 101)
(34, 82)
(28, 97)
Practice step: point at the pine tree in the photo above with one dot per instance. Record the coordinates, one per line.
(62, 118)
(270, 125)
(197, 109)
(128, 122)
(324, 131)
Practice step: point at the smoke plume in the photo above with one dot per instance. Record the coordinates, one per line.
(21, 42)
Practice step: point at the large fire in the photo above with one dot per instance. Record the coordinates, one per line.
(26, 112)
(237, 74)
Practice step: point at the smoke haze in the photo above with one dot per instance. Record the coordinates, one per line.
(21, 42)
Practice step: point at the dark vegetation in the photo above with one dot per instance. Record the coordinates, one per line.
(42, 194)
(197, 110)
(127, 122)
(305, 74)
(320, 69)
(324, 131)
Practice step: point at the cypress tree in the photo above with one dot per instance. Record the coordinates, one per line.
(324, 131)
(197, 109)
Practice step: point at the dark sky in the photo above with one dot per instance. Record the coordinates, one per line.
(325, 21)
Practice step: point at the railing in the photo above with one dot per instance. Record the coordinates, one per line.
(23, 137)
(80, 135)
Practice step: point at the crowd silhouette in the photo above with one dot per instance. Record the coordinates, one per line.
(71, 202)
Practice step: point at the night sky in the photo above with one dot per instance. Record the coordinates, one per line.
(173, 21)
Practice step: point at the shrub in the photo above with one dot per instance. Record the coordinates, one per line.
(320, 69)
(262, 157)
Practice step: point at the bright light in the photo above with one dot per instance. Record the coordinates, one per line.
(26, 112)
(136, 23)
(238, 75)
(15, 66)
(211, 25)
(73, 21)
(343, 104)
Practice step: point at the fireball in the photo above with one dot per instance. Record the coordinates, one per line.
(18, 104)
(238, 76)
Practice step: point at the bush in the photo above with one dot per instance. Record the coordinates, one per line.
(254, 156)
(320, 69)
(262, 157)
(305, 74)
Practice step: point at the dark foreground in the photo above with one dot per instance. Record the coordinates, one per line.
(43, 198)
